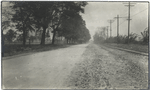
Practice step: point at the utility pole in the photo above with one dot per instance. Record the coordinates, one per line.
(110, 21)
(117, 28)
(129, 22)
(107, 31)
(129, 5)
(117, 25)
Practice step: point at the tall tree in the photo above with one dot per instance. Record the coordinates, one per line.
(10, 35)
(7, 13)
(23, 17)
(43, 14)
(65, 9)
(74, 28)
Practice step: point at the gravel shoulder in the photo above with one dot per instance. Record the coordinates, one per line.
(102, 68)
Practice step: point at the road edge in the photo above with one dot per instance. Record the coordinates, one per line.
(127, 50)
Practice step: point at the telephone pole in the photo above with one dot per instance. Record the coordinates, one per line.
(117, 28)
(110, 21)
(118, 25)
(107, 31)
(129, 5)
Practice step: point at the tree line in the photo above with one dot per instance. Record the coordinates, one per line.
(63, 17)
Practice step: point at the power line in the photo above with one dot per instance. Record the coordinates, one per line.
(119, 24)
(129, 6)
(122, 22)
(139, 12)
(124, 14)
(132, 16)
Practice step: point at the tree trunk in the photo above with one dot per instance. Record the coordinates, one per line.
(3, 48)
(29, 41)
(67, 41)
(54, 34)
(24, 37)
(43, 36)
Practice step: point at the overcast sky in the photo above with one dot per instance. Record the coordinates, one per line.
(97, 14)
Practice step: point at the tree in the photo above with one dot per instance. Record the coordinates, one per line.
(10, 35)
(74, 27)
(65, 10)
(6, 21)
(20, 37)
(145, 35)
(7, 13)
(100, 36)
(23, 17)
(43, 14)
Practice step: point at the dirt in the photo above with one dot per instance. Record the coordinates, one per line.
(84, 66)
(42, 70)
(106, 68)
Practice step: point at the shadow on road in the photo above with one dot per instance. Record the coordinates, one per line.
(19, 50)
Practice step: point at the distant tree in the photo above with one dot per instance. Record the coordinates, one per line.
(73, 28)
(99, 36)
(66, 10)
(19, 38)
(47, 33)
(10, 35)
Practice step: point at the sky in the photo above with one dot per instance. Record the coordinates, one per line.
(97, 15)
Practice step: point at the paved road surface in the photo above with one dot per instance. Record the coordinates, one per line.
(78, 66)
(41, 70)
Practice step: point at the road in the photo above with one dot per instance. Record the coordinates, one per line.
(77, 66)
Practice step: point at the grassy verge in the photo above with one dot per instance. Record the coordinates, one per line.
(136, 47)
(10, 50)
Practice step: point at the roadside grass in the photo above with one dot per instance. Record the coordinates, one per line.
(16, 49)
(136, 47)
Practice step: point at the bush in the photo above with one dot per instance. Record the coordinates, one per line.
(145, 35)
(122, 39)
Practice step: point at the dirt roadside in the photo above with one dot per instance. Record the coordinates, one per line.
(103, 68)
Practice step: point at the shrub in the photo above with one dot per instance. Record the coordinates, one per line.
(145, 36)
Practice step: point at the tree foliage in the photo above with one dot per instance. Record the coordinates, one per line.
(10, 35)
(145, 35)
(23, 17)
(74, 28)
(63, 17)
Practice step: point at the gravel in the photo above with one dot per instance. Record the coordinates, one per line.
(105, 68)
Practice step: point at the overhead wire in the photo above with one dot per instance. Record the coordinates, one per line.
(139, 12)
(133, 15)
(120, 24)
